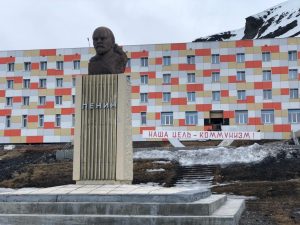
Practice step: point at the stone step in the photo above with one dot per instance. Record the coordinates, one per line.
(204, 206)
(228, 214)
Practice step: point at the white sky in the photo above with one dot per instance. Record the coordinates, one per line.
(35, 24)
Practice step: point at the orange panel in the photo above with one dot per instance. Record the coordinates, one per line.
(263, 85)
(5, 60)
(178, 101)
(272, 105)
(232, 79)
(151, 75)
(67, 111)
(203, 52)
(135, 89)
(282, 128)
(194, 87)
(35, 66)
(270, 48)
(178, 46)
(227, 58)
(158, 61)
(47, 52)
(244, 43)
(157, 116)
(250, 99)
(203, 107)
(12, 132)
(32, 118)
(49, 125)
(5, 112)
(174, 81)
(127, 70)
(54, 72)
(253, 64)
(70, 58)
(241, 101)
(254, 121)
(181, 122)
(34, 85)
(284, 91)
(228, 114)
(72, 131)
(136, 55)
(208, 128)
(146, 128)
(17, 99)
(48, 105)
(224, 93)
(2, 93)
(207, 73)
(34, 139)
(186, 67)
(155, 94)
(63, 91)
(280, 70)
(17, 80)
(138, 109)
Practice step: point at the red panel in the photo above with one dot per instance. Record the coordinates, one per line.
(254, 121)
(5, 112)
(178, 101)
(250, 99)
(224, 93)
(136, 55)
(181, 122)
(13, 132)
(17, 99)
(186, 67)
(151, 75)
(155, 95)
(63, 91)
(70, 58)
(34, 85)
(241, 101)
(280, 70)
(48, 52)
(2, 93)
(208, 128)
(174, 81)
(67, 111)
(127, 70)
(284, 91)
(263, 85)
(244, 43)
(49, 125)
(17, 80)
(35, 66)
(272, 105)
(178, 46)
(203, 107)
(232, 79)
(194, 87)
(54, 72)
(227, 58)
(228, 114)
(203, 52)
(282, 128)
(138, 109)
(32, 118)
(158, 61)
(270, 48)
(72, 131)
(135, 89)
(5, 60)
(146, 128)
(253, 64)
(207, 73)
(48, 105)
(157, 116)
(34, 139)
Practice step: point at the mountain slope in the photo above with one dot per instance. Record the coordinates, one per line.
(280, 21)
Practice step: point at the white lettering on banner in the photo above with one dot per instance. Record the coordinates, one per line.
(195, 135)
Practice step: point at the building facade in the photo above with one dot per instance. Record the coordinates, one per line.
(246, 85)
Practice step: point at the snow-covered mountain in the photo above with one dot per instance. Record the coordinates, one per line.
(280, 21)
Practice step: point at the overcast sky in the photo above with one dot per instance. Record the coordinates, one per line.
(35, 24)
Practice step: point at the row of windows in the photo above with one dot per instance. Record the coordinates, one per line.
(215, 58)
(40, 120)
(41, 100)
(42, 83)
(241, 117)
(216, 95)
(43, 66)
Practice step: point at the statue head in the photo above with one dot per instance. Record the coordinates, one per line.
(103, 40)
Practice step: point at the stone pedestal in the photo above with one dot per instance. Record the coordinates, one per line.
(102, 142)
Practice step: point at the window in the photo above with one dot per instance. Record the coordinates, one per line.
(9, 101)
(144, 97)
(24, 120)
(143, 118)
(167, 118)
(26, 83)
(8, 121)
(191, 118)
(42, 100)
(27, 66)
(167, 60)
(266, 56)
(59, 65)
(240, 57)
(241, 76)
(191, 96)
(294, 115)
(11, 67)
(43, 83)
(144, 79)
(73, 99)
(267, 75)
(166, 96)
(73, 82)
(191, 78)
(43, 65)
(267, 116)
(76, 65)
(216, 95)
(241, 95)
(267, 94)
(57, 120)
(58, 100)
(59, 82)
(10, 84)
(41, 120)
(292, 55)
(190, 59)
(215, 77)
(144, 62)
(128, 64)
(26, 100)
(293, 74)
(294, 93)
(241, 117)
(167, 78)
(215, 58)
(73, 120)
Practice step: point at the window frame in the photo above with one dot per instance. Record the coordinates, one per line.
(167, 117)
(191, 96)
(267, 116)
(166, 97)
(241, 117)
(144, 97)
(191, 118)
(143, 118)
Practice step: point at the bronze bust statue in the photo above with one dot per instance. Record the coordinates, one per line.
(110, 58)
